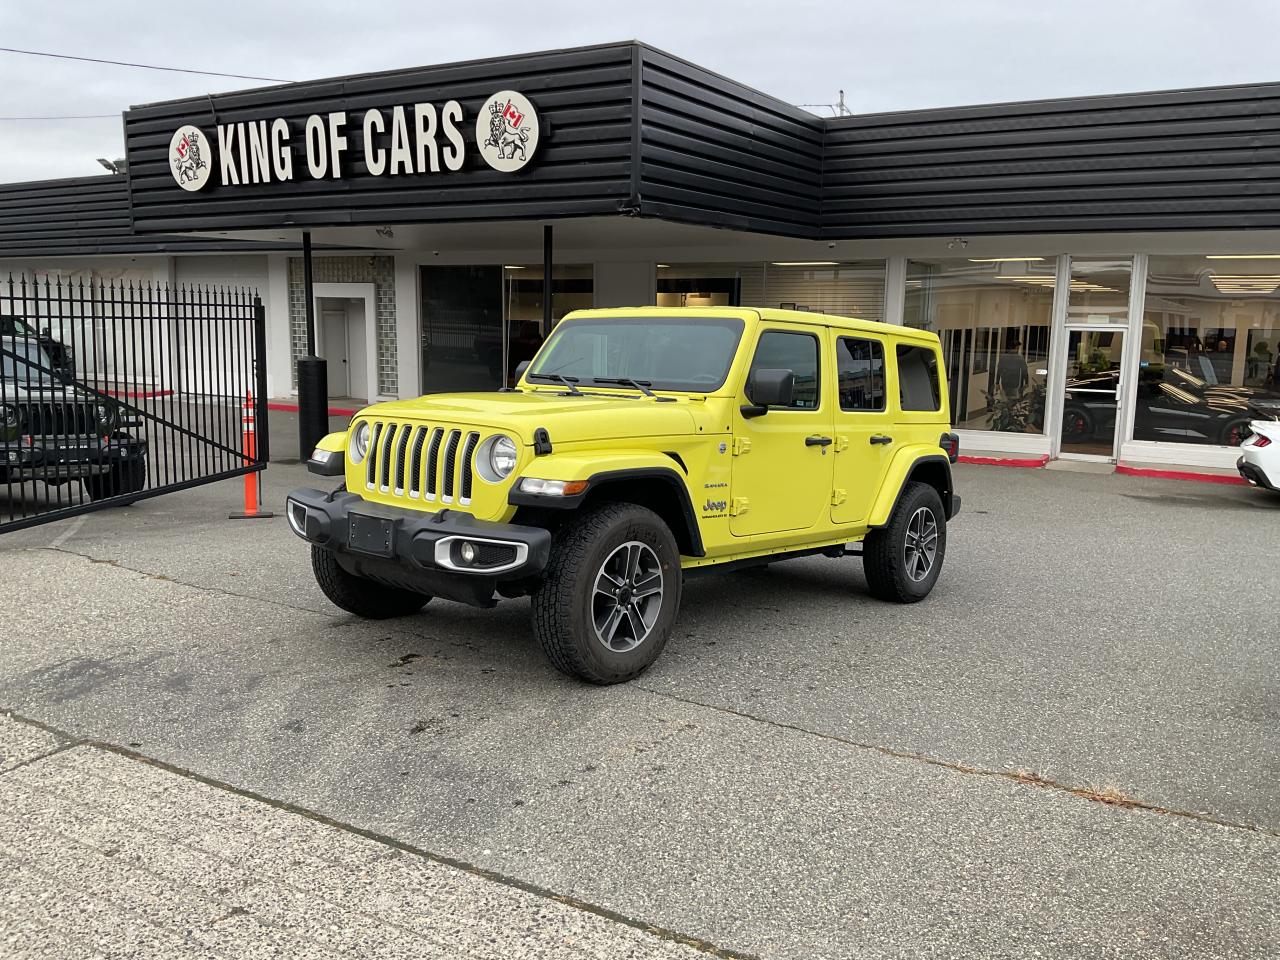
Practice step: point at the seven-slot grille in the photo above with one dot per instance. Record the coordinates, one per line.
(58, 419)
(434, 463)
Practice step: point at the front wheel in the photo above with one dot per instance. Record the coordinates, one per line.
(903, 559)
(364, 598)
(609, 599)
(124, 477)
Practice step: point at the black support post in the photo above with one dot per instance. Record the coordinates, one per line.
(547, 259)
(313, 372)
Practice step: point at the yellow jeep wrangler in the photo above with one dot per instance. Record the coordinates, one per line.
(641, 447)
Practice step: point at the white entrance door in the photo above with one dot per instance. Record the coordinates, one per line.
(342, 344)
(333, 320)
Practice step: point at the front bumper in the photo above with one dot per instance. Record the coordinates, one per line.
(66, 458)
(1255, 475)
(416, 550)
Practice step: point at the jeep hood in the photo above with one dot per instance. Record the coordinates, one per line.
(568, 419)
(19, 391)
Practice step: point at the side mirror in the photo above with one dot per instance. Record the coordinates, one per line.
(769, 388)
(521, 367)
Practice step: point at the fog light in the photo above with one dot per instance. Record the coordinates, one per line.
(467, 553)
(297, 515)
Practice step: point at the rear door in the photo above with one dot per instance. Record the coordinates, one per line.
(863, 425)
(782, 466)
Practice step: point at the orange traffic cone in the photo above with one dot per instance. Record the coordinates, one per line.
(252, 495)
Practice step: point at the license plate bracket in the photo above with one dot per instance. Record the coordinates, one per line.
(372, 535)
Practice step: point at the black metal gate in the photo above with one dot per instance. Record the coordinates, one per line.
(112, 392)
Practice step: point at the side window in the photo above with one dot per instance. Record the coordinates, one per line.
(918, 378)
(797, 352)
(860, 367)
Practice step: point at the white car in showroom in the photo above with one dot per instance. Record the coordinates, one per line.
(1259, 461)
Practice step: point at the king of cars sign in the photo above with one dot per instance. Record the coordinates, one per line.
(402, 140)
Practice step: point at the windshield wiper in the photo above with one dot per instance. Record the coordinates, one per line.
(641, 385)
(567, 381)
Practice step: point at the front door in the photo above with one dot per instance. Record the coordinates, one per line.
(864, 435)
(782, 465)
(1092, 391)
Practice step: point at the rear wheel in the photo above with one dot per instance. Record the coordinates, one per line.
(1234, 433)
(902, 560)
(364, 598)
(609, 599)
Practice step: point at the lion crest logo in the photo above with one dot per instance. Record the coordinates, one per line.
(187, 160)
(507, 131)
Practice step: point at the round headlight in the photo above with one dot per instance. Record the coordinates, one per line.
(359, 445)
(9, 422)
(502, 456)
(108, 418)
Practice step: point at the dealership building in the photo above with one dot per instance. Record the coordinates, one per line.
(1102, 271)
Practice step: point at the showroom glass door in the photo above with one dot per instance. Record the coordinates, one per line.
(1093, 371)
(1091, 400)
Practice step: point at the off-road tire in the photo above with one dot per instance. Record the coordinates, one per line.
(364, 598)
(884, 550)
(562, 604)
(127, 476)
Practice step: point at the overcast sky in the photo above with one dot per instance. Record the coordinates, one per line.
(885, 55)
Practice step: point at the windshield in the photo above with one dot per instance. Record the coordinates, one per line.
(666, 353)
(22, 361)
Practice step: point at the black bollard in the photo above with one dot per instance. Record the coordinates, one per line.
(313, 404)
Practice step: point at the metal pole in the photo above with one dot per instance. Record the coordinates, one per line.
(263, 442)
(546, 279)
(309, 293)
(313, 373)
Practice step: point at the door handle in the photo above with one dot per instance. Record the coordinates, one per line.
(880, 438)
(817, 441)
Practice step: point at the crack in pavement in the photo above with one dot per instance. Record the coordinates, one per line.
(165, 578)
(1104, 796)
(493, 876)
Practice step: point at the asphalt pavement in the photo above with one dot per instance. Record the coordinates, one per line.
(1070, 749)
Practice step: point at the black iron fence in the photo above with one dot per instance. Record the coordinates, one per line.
(112, 392)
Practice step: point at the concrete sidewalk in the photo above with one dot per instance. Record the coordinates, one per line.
(105, 855)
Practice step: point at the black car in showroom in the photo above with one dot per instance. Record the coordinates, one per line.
(59, 432)
(1172, 404)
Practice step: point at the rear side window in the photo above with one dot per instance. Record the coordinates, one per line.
(860, 365)
(918, 378)
(797, 352)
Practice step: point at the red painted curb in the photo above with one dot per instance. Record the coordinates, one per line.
(1181, 475)
(1030, 462)
(293, 408)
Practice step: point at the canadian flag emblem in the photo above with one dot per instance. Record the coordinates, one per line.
(507, 130)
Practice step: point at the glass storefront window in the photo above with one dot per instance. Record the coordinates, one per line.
(850, 289)
(701, 284)
(461, 328)
(464, 312)
(572, 288)
(1099, 291)
(1210, 348)
(993, 318)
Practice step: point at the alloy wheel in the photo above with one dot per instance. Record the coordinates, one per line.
(627, 597)
(920, 548)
